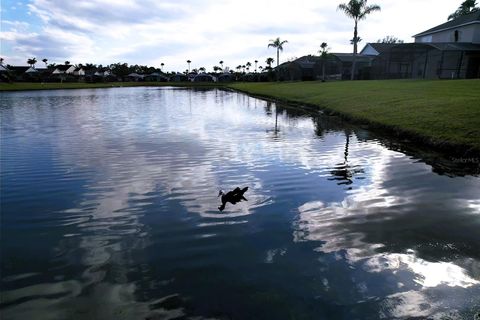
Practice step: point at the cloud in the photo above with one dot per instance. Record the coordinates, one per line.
(151, 32)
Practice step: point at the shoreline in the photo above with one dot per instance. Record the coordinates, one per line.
(460, 149)
(446, 122)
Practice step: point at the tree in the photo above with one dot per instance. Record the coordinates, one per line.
(188, 61)
(202, 69)
(277, 44)
(248, 64)
(32, 62)
(161, 66)
(243, 67)
(357, 10)
(256, 61)
(468, 6)
(389, 39)
(221, 63)
(67, 62)
(238, 68)
(1, 61)
(45, 60)
(269, 61)
(323, 55)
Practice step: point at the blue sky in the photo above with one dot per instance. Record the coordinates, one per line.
(205, 31)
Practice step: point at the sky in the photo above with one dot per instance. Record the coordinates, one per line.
(151, 32)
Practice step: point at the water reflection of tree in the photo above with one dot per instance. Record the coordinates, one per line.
(268, 111)
(343, 173)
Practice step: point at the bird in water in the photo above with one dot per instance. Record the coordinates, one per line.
(233, 196)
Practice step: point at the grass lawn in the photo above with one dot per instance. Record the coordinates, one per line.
(445, 113)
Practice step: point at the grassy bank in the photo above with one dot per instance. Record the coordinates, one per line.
(21, 86)
(444, 114)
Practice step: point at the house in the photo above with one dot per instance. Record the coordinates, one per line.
(63, 69)
(23, 73)
(339, 66)
(133, 77)
(465, 28)
(304, 68)
(156, 76)
(225, 77)
(448, 51)
(204, 77)
(179, 77)
(375, 49)
(78, 71)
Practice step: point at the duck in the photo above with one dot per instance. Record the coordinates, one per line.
(233, 196)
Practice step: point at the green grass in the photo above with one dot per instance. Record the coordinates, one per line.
(21, 86)
(441, 113)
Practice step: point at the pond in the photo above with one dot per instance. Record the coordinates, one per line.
(109, 210)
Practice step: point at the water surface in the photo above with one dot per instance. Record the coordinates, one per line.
(109, 211)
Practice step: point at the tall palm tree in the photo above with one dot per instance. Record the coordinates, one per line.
(188, 61)
(357, 10)
(161, 66)
(202, 69)
(67, 62)
(256, 61)
(221, 63)
(45, 60)
(277, 44)
(323, 55)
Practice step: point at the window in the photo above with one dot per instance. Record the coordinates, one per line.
(456, 35)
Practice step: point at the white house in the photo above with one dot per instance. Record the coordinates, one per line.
(64, 69)
(79, 72)
(462, 29)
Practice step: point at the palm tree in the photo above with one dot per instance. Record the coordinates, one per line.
(188, 61)
(277, 44)
(243, 67)
(32, 62)
(466, 7)
(248, 64)
(357, 10)
(1, 61)
(161, 66)
(202, 69)
(324, 55)
(67, 63)
(45, 60)
(238, 68)
(269, 61)
(260, 67)
(221, 63)
(256, 61)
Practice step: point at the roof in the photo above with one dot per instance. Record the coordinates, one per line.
(2, 68)
(380, 47)
(63, 67)
(470, 18)
(442, 46)
(348, 57)
(19, 69)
